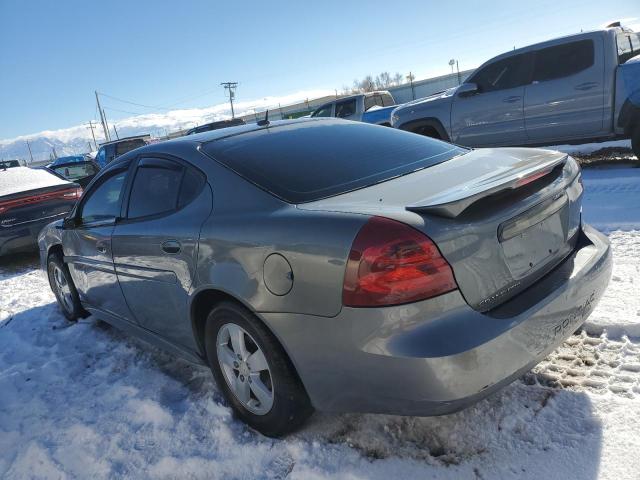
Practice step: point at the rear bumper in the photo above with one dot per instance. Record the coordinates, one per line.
(438, 356)
(24, 237)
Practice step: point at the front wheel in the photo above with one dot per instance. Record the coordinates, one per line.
(254, 372)
(63, 288)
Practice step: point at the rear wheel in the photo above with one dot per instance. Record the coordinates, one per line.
(635, 141)
(63, 288)
(253, 371)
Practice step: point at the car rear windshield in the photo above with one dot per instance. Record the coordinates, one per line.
(308, 161)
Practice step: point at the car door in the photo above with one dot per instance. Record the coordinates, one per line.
(88, 245)
(155, 247)
(566, 97)
(494, 114)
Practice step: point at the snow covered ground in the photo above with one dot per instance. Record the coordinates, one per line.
(589, 148)
(84, 400)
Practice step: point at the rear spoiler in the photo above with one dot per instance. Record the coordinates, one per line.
(451, 203)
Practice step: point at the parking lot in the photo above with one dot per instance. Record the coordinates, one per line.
(86, 400)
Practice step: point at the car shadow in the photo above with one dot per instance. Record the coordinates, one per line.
(18, 263)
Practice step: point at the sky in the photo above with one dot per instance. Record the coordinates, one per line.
(166, 55)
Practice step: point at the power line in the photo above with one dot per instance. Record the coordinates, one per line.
(132, 103)
(125, 111)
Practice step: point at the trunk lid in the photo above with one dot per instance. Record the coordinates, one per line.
(502, 218)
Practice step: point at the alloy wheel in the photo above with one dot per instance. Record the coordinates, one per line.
(63, 288)
(245, 369)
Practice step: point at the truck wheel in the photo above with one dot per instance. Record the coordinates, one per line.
(253, 371)
(635, 141)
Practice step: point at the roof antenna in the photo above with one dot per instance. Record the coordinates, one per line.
(265, 122)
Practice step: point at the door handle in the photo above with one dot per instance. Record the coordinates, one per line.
(171, 246)
(101, 247)
(586, 86)
(511, 99)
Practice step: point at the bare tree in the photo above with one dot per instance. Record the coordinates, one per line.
(382, 81)
(385, 78)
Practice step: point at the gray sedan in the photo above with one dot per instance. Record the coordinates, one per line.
(335, 265)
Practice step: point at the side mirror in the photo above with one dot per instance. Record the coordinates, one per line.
(467, 90)
(69, 223)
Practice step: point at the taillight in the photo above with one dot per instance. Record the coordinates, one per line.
(391, 263)
(66, 194)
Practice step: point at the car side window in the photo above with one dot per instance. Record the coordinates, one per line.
(510, 72)
(324, 111)
(155, 188)
(104, 199)
(346, 109)
(563, 60)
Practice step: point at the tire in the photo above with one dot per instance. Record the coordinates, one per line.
(63, 288)
(635, 141)
(277, 402)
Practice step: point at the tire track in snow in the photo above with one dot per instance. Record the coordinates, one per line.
(598, 364)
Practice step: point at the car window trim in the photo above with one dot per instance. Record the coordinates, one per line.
(93, 185)
(124, 217)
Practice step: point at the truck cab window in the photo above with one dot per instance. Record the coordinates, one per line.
(563, 60)
(324, 111)
(346, 109)
(510, 72)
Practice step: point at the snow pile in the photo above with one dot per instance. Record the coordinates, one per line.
(589, 148)
(85, 400)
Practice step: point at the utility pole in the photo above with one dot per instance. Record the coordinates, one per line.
(458, 68)
(410, 77)
(231, 87)
(103, 119)
(91, 126)
(30, 154)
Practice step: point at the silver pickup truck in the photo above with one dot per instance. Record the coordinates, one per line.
(583, 87)
(371, 107)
